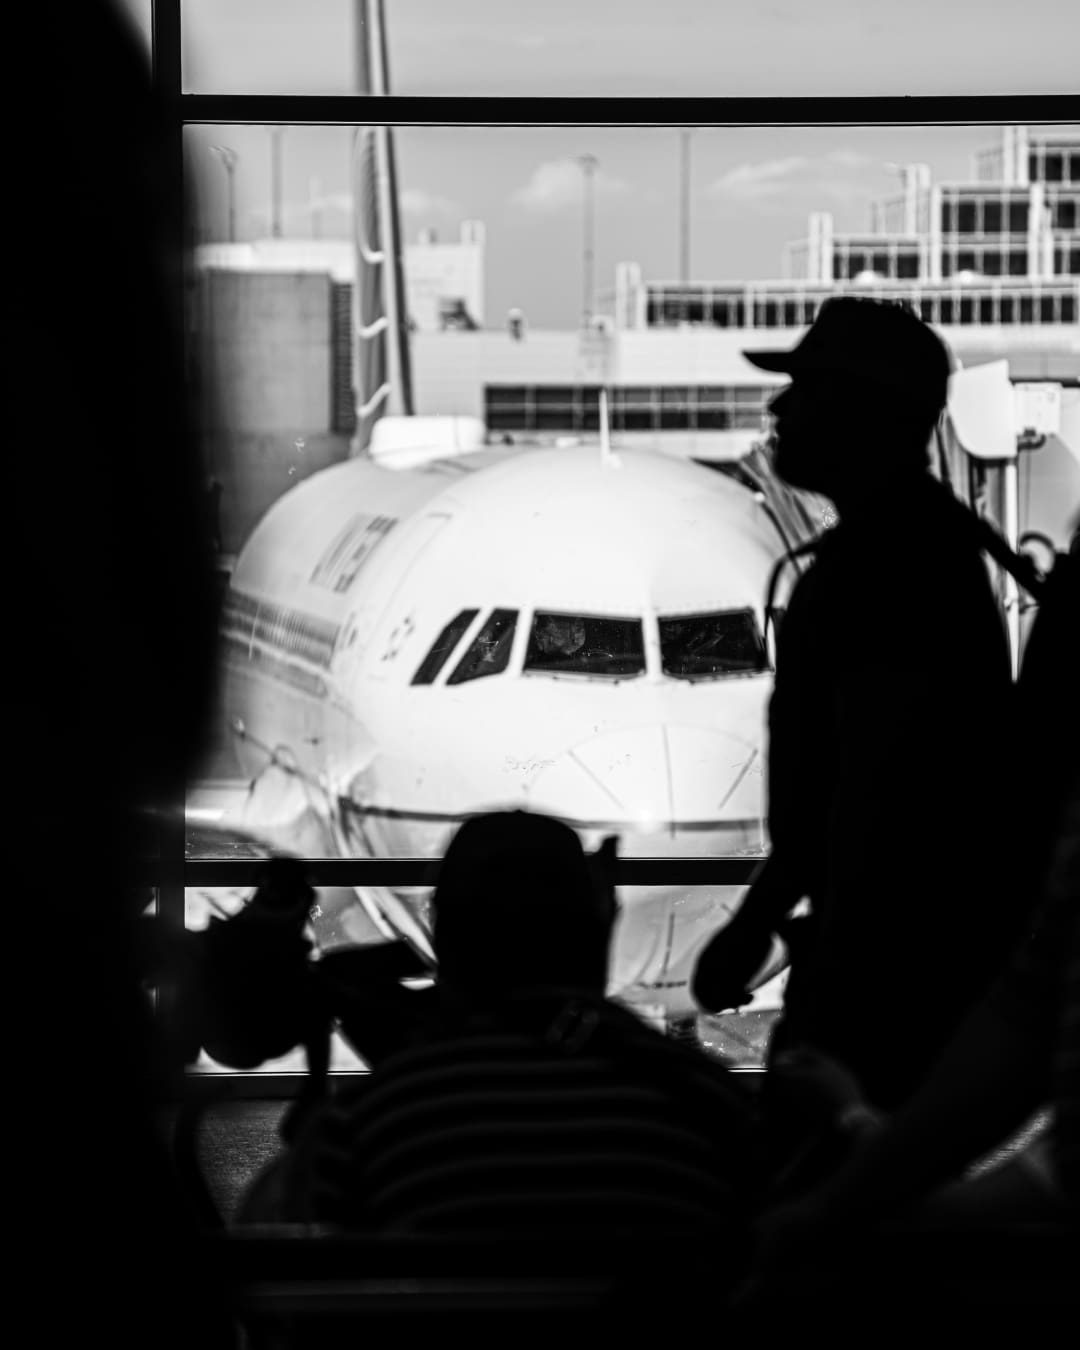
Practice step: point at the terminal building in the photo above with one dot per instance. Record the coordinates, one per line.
(1000, 250)
(992, 263)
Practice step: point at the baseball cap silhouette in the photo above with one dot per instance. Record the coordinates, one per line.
(874, 340)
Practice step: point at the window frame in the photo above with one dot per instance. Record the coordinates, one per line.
(171, 872)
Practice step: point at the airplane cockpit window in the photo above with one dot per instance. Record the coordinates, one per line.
(577, 644)
(442, 647)
(708, 646)
(489, 651)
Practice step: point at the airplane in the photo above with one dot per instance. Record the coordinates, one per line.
(440, 627)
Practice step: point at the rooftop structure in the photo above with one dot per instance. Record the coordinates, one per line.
(444, 279)
(1001, 249)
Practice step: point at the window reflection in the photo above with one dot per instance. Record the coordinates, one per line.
(707, 646)
(489, 653)
(443, 646)
(584, 645)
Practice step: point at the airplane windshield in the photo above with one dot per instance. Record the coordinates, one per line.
(442, 647)
(489, 651)
(708, 646)
(582, 645)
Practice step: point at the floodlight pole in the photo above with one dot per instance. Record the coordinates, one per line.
(588, 164)
(276, 135)
(229, 157)
(684, 199)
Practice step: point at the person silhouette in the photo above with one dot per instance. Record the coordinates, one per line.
(891, 721)
(527, 1102)
(121, 616)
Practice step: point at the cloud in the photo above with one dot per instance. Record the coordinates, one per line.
(849, 159)
(560, 183)
(842, 174)
(417, 202)
(750, 182)
(334, 201)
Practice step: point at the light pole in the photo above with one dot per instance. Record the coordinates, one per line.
(228, 157)
(588, 165)
(276, 134)
(684, 202)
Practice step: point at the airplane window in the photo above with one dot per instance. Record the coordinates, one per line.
(706, 646)
(489, 652)
(443, 645)
(580, 645)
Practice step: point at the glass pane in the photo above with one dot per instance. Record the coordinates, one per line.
(334, 596)
(444, 644)
(1054, 169)
(580, 644)
(658, 935)
(490, 652)
(706, 646)
(1018, 217)
(623, 47)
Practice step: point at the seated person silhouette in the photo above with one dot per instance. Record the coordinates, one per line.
(527, 1102)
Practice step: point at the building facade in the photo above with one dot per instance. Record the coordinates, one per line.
(1000, 250)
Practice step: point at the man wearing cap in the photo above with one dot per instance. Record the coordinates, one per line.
(889, 726)
(525, 1102)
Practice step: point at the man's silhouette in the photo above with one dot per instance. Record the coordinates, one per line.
(890, 724)
(527, 1102)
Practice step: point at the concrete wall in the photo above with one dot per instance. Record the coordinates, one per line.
(264, 344)
(255, 468)
(267, 337)
(451, 369)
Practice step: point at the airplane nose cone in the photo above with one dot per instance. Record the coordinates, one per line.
(621, 776)
(715, 775)
(666, 791)
(654, 777)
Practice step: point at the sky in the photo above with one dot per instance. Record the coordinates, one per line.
(751, 188)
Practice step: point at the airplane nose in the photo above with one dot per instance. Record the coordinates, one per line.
(666, 791)
(654, 778)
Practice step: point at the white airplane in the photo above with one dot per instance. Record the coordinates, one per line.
(440, 628)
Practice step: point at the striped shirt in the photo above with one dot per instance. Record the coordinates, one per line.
(492, 1128)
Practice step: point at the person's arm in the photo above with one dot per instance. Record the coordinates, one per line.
(982, 1087)
(986, 1083)
(731, 958)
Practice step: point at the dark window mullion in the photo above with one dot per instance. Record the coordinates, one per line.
(404, 110)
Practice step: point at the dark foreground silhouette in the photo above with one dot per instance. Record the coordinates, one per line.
(526, 1102)
(891, 728)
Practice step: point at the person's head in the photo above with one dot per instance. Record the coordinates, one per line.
(560, 634)
(518, 903)
(868, 382)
